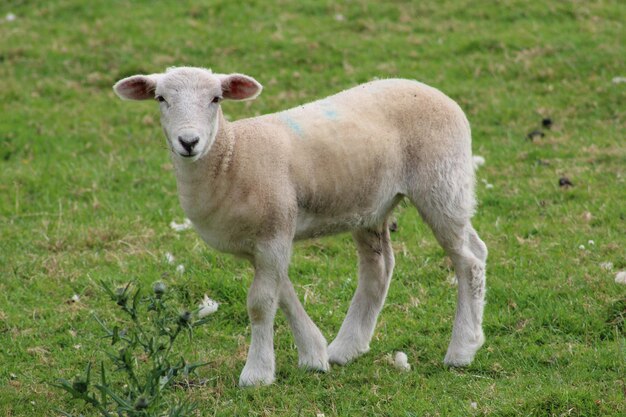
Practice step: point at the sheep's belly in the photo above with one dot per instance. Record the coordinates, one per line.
(311, 225)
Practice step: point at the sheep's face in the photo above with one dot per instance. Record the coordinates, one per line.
(189, 99)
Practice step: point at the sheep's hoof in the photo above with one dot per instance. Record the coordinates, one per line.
(314, 364)
(457, 361)
(314, 354)
(252, 377)
(460, 356)
(341, 354)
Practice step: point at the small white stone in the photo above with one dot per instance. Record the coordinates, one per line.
(607, 266)
(620, 278)
(169, 258)
(75, 298)
(473, 405)
(10, 17)
(618, 80)
(339, 17)
(591, 243)
(489, 186)
(401, 362)
(207, 306)
(180, 269)
(581, 247)
(179, 227)
(478, 161)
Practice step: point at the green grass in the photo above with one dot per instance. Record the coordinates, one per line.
(87, 193)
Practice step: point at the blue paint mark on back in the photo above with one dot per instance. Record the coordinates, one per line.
(331, 114)
(328, 109)
(293, 125)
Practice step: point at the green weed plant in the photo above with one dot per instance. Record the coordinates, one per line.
(142, 351)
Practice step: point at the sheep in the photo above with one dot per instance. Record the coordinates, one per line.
(341, 164)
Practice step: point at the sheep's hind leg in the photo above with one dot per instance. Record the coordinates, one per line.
(469, 255)
(467, 333)
(376, 262)
(444, 197)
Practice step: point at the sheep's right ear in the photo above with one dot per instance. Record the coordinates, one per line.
(137, 87)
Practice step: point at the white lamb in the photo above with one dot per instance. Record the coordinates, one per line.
(253, 186)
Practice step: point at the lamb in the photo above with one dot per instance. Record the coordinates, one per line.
(254, 186)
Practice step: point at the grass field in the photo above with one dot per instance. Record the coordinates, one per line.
(87, 193)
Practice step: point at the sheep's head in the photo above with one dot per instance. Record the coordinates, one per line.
(189, 99)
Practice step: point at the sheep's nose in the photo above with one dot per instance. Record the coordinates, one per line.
(188, 143)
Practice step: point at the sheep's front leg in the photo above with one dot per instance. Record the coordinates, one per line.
(263, 299)
(312, 346)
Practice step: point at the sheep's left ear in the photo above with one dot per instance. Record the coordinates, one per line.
(137, 87)
(240, 87)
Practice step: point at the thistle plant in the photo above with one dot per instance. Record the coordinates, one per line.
(144, 363)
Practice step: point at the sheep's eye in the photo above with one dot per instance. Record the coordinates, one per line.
(160, 99)
(216, 99)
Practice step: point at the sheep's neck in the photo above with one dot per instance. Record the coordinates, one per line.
(201, 183)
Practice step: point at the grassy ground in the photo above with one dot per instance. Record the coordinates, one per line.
(87, 193)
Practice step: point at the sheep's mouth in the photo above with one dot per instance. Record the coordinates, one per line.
(188, 155)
